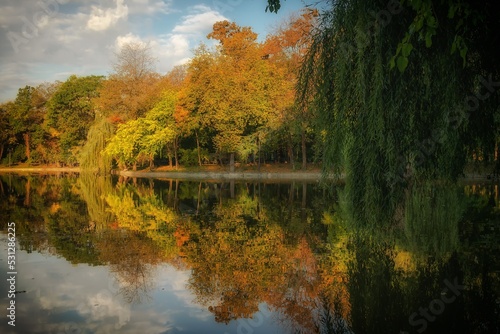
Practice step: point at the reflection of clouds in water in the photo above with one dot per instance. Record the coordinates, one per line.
(102, 306)
(77, 299)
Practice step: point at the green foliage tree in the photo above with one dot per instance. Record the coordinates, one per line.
(6, 133)
(382, 128)
(26, 119)
(146, 136)
(71, 111)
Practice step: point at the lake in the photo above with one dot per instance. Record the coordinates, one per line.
(109, 255)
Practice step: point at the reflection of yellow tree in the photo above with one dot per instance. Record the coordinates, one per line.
(146, 233)
(139, 209)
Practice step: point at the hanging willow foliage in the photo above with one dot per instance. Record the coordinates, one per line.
(91, 158)
(93, 191)
(380, 127)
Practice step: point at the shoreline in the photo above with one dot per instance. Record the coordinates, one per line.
(311, 175)
(184, 175)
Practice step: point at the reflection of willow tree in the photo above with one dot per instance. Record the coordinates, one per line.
(69, 228)
(93, 190)
(374, 285)
(481, 263)
(431, 218)
(385, 275)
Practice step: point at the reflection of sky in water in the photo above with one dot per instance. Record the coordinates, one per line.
(65, 298)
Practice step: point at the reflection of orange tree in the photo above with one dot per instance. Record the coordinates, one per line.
(234, 264)
(243, 259)
(298, 298)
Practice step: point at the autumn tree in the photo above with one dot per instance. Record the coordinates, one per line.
(285, 48)
(192, 94)
(132, 88)
(230, 90)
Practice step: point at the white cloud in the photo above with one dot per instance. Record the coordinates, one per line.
(150, 7)
(102, 19)
(201, 20)
(126, 39)
(177, 45)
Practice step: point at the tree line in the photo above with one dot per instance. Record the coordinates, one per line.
(385, 92)
(232, 102)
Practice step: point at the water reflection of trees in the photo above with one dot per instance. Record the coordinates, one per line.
(247, 253)
(292, 246)
(132, 258)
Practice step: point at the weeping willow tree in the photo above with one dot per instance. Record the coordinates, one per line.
(91, 157)
(386, 122)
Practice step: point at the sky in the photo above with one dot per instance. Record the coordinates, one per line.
(49, 40)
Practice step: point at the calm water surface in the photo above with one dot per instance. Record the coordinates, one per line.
(102, 255)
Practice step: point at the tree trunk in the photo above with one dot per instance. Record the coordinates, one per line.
(26, 137)
(169, 194)
(303, 213)
(231, 187)
(290, 201)
(198, 148)
(169, 155)
(151, 162)
(231, 162)
(176, 142)
(134, 168)
(290, 149)
(259, 152)
(304, 152)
